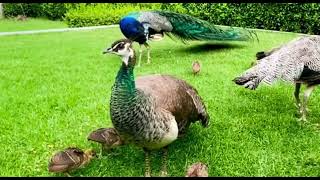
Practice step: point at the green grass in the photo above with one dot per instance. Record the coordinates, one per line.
(9, 25)
(55, 89)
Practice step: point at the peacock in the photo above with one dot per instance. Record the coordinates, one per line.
(143, 26)
(70, 159)
(153, 110)
(297, 61)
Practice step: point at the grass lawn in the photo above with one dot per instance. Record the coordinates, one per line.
(55, 89)
(9, 25)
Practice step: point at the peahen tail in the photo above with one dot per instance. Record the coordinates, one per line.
(186, 28)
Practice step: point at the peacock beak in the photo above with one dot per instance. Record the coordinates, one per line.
(109, 50)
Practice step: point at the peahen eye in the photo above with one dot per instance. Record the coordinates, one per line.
(121, 46)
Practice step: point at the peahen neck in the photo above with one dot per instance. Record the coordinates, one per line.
(125, 80)
(132, 112)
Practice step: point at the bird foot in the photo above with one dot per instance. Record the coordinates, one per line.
(163, 174)
(147, 175)
(67, 174)
(303, 119)
(298, 105)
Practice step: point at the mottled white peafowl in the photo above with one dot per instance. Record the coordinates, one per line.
(69, 159)
(151, 25)
(152, 111)
(297, 61)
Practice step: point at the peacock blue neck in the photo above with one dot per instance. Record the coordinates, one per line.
(132, 29)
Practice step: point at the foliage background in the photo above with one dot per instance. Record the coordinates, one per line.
(292, 17)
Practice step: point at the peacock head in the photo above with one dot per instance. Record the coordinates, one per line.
(122, 48)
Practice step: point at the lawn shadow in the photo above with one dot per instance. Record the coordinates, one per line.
(208, 47)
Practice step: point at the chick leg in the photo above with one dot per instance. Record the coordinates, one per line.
(147, 172)
(306, 97)
(140, 55)
(163, 172)
(148, 51)
(67, 174)
(296, 95)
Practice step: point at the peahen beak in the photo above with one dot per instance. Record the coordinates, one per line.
(109, 50)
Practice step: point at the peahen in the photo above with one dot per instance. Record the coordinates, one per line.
(297, 61)
(152, 25)
(154, 110)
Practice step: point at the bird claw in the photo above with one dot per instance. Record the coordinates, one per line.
(163, 174)
(303, 119)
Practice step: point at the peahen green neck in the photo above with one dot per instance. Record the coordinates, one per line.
(132, 111)
(125, 78)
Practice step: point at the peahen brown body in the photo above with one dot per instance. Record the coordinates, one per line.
(297, 61)
(154, 110)
(69, 159)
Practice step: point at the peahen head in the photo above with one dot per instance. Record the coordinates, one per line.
(122, 48)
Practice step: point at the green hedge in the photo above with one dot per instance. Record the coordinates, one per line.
(28, 9)
(52, 11)
(102, 14)
(294, 17)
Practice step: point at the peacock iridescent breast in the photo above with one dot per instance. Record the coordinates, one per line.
(132, 29)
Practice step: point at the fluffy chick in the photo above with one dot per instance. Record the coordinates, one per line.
(196, 67)
(107, 137)
(69, 159)
(197, 170)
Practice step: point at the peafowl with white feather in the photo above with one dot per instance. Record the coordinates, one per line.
(297, 61)
(154, 110)
(152, 25)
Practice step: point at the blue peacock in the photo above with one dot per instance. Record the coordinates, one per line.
(152, 25)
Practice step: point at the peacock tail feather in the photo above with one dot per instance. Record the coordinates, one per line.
(186, 28)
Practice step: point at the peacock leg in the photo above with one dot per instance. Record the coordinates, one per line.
(148, 51)
(147, 170)
(296, 95)
(67, 174)
(306, 97)
(140, 55)
(163, 172)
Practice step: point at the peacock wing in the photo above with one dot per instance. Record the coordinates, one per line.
(155, 21)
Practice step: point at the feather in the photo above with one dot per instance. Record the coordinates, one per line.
(286, 63)
(182, 26)
(187, 27)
